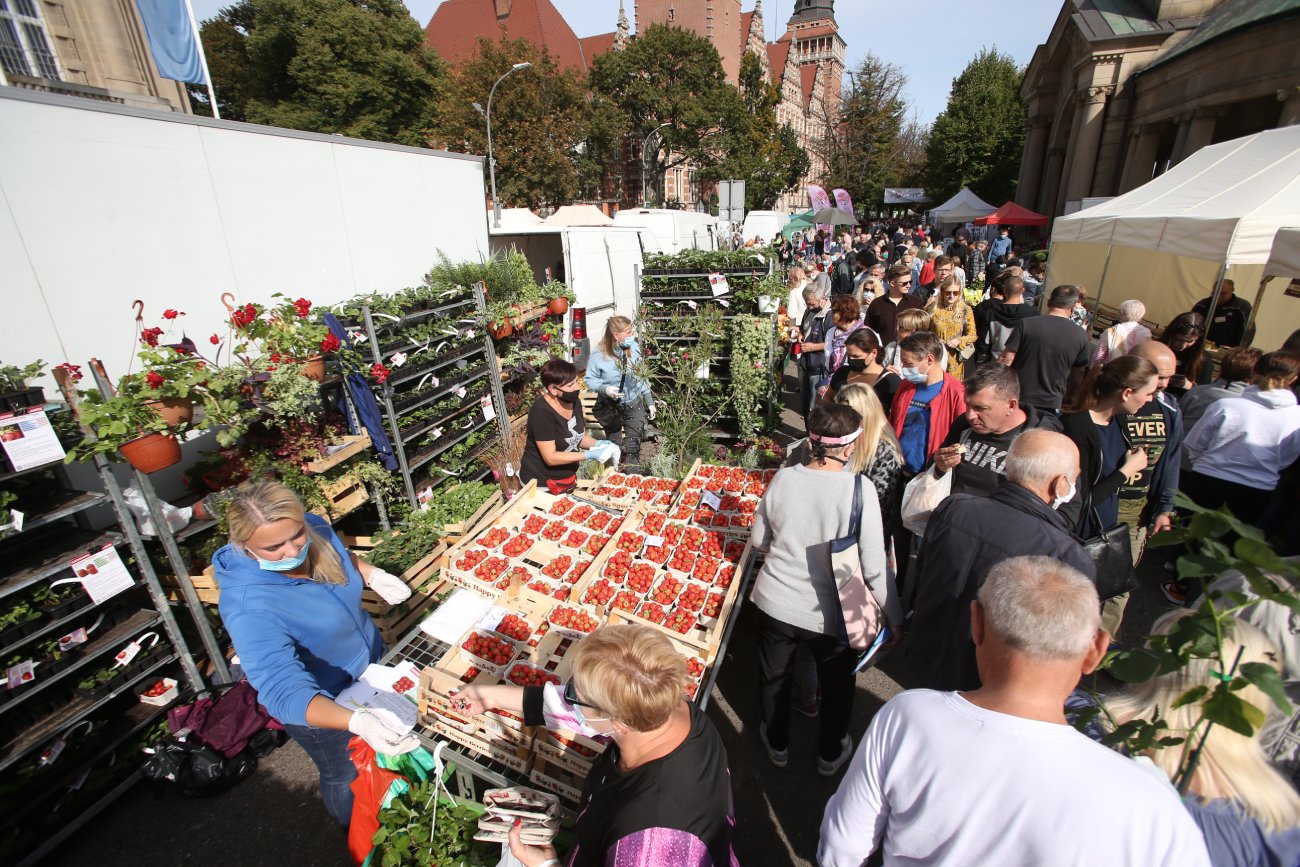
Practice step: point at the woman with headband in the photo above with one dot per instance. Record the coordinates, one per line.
(806, 507)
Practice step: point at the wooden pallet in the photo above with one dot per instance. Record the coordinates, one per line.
(345, 494)
(352, 445)
(205, 586)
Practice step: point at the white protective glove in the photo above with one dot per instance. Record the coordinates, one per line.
(612, 391)
(371, 729)
(390, 588)
(651, 411)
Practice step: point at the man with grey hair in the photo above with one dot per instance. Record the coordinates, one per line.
(997, 775)
(968, 535)
(811, 341)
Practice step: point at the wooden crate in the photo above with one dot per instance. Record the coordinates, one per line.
(515, 756)
(205, 586)
(352, 445)
(568, 750)
(344, 495)
(490, 506)
(550, 777)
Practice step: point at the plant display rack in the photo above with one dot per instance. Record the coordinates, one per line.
(443, 403)
(497, 750)
(674, 286)
(70, 738)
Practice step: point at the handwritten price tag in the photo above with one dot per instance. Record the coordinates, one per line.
(710, 499)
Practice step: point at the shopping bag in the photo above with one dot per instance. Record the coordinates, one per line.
(859, 610)
(224, 717)
(370, 790)
(922, 496)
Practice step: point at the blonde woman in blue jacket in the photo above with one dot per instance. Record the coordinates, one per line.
(291, 601)
(623, 399)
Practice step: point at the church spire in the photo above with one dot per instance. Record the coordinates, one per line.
(624, 29)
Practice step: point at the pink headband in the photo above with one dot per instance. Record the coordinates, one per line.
(835, 441)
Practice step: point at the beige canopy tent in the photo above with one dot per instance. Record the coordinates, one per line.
(1169, 242)
(962, 208)
(578, 215)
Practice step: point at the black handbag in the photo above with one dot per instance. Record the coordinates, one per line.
(1112, 551)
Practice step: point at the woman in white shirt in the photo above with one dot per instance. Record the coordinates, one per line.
(1125, 334)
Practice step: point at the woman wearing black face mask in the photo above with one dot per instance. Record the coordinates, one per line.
(862, 367)
(557, 439)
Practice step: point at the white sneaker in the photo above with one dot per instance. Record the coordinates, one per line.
(828, 769)
(779, 758)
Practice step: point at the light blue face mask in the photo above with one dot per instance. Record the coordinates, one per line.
(627, 344)
(288, 563)
(914, 376)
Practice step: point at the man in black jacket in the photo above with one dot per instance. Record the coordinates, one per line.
(968, 535)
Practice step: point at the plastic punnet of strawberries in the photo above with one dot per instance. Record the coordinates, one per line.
(569, 618)
(523, 674)
(598, 593)
(514, 626)
(488, 648)
(557, 567)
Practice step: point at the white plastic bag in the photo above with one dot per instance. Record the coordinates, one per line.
(176, 518)
(921, 496)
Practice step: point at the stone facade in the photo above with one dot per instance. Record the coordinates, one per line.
(98, 49)
(1114, 101)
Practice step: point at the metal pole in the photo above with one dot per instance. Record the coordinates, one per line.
(203, 59)
(1214, 299)
(494, 376)
(386, 392)
(492, 162)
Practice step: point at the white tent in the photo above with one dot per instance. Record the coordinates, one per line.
(516, 217)
(578, 215)
(1284, 259)
(1170, 241)
(961, 208)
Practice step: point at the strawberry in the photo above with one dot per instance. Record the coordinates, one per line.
(489, 648)
(557, 567)
(705, 568)
(533, 524)
(640, 576)
(577, 571)
(726, 574)
(514, 626)
(569, 618)
(491, 569)
(713, 604)
(680, 621)
(561, 506)
(682, 513)
(625, 600)
(555, 531)
(598, 521)
(580, 514)
(575, 539)
(666, 591)
(493, 537)
(470, 559)
(600, 592)
(653, 523)
(516, 546)
(695, 667)
(734, 550)
(631, 542)
(616, 479)
(596, 544)
(651, 611)
(692, 598)
(523, 674)
(657, 555)
(682, 560)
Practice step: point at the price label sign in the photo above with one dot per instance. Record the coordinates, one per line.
(23, 672)
(489, 411)
(73, 638)
(424, 497)
(653, 542)
(126, 654)
(710, 499)
(102, 573)
(28, 439)
(398, 359)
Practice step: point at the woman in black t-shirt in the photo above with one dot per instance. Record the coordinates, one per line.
(557, 438)
(862, 367)
(660, 793)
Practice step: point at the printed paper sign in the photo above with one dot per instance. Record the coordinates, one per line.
(718, 283)
(102, 573)
(489, 411)
(29, 439)
(653, 542)
(460, 392)
(126, 654)
(710, 499)
(424, 497)
(73, 638)
(398, 359)
(21, 673)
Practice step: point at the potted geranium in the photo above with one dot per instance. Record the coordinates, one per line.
(286, 333)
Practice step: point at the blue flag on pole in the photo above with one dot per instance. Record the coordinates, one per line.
(171, 40)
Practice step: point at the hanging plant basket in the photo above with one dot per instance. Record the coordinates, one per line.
(152, 452)
(175, 411)
(314, 368)
(558, 306)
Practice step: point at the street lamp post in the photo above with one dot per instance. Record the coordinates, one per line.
(492, 163)
(645, 143)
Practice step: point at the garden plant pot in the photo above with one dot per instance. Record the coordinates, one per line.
(314, 368)
(152, 452)
(15, 401)
(558, 306)
(175, 411)
(501, 330)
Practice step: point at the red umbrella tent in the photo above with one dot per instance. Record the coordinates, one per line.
(1011, 214)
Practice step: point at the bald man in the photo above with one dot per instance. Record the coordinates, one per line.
(969, 535)
(1146, 502)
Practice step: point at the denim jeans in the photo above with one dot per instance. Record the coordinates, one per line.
(328, 748)
(624, 426)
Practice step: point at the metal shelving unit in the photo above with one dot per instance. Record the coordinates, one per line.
(474, 360)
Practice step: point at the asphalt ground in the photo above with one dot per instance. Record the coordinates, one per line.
(276, 818)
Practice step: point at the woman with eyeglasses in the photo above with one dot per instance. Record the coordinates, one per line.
(953, 322)
(660, 793)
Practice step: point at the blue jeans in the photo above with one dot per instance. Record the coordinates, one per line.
(328, 748)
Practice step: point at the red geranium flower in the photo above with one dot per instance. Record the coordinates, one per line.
(242, 317)
(214, 340)
(302, 307)
(154, 379)
(73, 371)
(149, 336)
(380, 373)
(330, 343)
(171, 314)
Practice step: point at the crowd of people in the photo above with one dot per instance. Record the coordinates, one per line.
(1003, 431)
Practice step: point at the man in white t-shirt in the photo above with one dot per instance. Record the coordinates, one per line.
(996, 775)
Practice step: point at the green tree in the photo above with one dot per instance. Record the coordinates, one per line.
(333, 66)
(668, 75)
(868, 146)
(225, 40)
(538, 121)
(978, 139)
(756, 148)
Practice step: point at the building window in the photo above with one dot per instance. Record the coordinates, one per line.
(24, 45)
(672, 14)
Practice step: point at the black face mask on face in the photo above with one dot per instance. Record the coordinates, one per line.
(857, 364)
(570, 397)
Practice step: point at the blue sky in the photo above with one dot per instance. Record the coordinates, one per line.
(931, 42)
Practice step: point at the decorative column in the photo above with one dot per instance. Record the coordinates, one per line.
(1084, 159)
(1140, 163)
(1184, 122)
(1046, 203)
(1200, 132)
(1031, 168)
(1290, 100)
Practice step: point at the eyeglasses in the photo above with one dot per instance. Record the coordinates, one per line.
(571, 695)
(901, 282)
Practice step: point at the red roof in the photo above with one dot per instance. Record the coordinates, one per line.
(811, 32)
(594, 46)
(807, 78)
(746, 21)
(456, 26)
(777, 52)
(1011, 214)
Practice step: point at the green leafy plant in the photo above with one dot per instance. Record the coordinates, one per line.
(1217, 542)
(288, 330)
(752, 339)
(421, 827)
(115, 421)
(399, 549)
(14, 378)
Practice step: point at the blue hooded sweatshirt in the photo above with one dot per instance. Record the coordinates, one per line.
(296, 638)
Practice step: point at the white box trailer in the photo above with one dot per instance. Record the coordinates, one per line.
(600, 264)
(673, 231)
(105, 204)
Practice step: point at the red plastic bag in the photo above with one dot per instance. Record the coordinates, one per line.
(368, 791)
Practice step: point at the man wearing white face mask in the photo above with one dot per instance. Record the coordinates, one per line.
(968, 535)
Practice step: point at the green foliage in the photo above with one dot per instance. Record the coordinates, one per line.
(399, 549)
(14, 378)
(329, 66)
(757, 149)
(289, 397)
(751, 380)
(421, 828)
(114, 421)
(870, 145)
(537, 121)
(1200, 635)
(978, 139)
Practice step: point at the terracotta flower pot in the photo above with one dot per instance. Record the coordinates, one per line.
(501, 330)
(174, 411)
(152, 452)
(314, 368)
(558, 306)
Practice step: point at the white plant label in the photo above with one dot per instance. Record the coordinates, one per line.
(102, 573)
(433, 380)
(23, 672)
(460, 392)
(718, 283)
(691, 304)
(73, 638)
(398, 359)
(359, 337)
(710, 499)
(29, 439)
(724, 302)
(126, 654)
(489, 411)
(702, 372)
